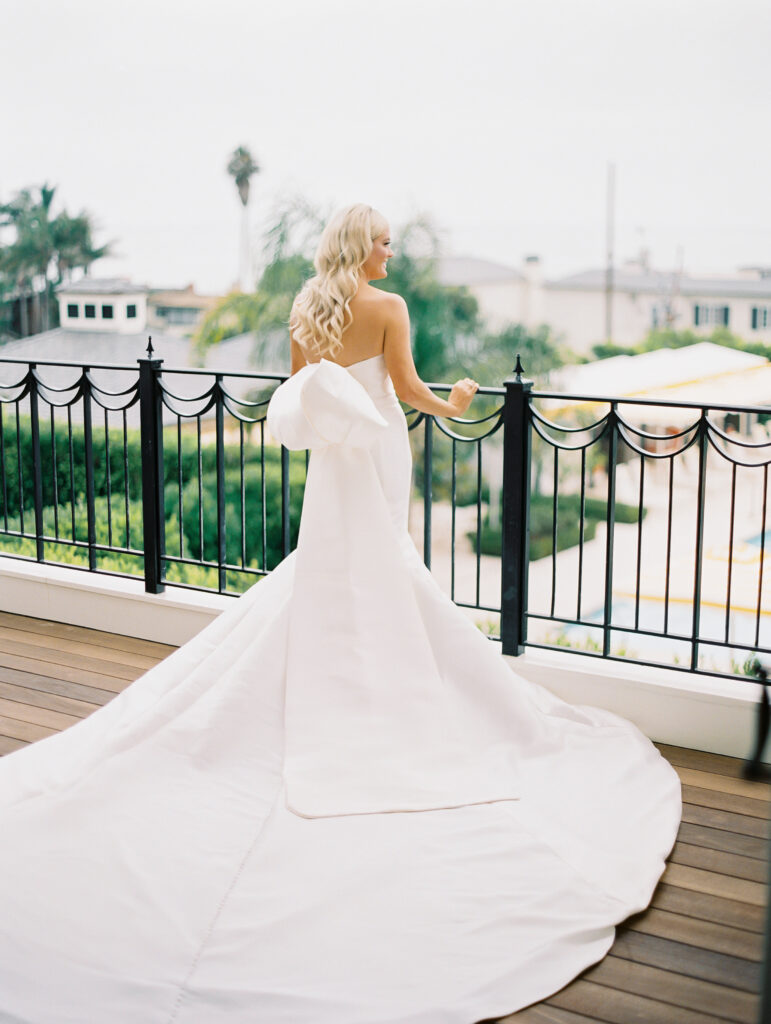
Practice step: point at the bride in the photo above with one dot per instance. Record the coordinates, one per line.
(337, 804)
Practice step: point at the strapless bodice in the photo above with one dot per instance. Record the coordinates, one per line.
(373, 375)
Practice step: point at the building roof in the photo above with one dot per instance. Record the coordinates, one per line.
(656, 282)
(185, 298)
(468, 270)
(700, 373)
(101, 286)
(113, 350)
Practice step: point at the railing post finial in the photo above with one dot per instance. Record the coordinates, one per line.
(519, 368)
(150, 347)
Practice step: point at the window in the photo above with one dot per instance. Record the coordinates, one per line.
(90, 312)
(107, 312)
(179, 314)
(73, 309)
(760, 317)
(718, 315)
(131, 311)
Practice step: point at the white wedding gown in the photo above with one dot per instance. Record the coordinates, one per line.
(335, 805)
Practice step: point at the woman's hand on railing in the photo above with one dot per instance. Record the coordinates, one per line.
(462, 394)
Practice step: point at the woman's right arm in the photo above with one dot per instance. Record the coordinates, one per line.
(401, 368)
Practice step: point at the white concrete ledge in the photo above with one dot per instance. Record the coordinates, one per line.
(684, 709)
(110, 603)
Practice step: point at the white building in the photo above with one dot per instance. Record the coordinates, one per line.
(178, 310)
(111, 304)
(505, 295)
(643, 299)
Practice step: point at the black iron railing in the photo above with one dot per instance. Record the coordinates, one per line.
(590, 523)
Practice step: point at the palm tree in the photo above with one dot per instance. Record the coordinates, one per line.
(45, 250)
(242, 166)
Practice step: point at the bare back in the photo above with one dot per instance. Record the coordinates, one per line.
(365, 337)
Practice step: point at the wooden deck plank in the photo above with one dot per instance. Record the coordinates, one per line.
(706, 907)
(70, 673)
(67, 659)
(743, 824)
(677, 991)
(52, 701)
(720, 938)
(54, 685)
(16, 730)
(115, 641)
(702, 760)
(542, 1013)
(614, 1006)
(714, 884)
(719, 839)
(724, 783)
(692, 961)
(36, 715)
(43, 641)
(717, 860)
(746, 805)
(8, 744)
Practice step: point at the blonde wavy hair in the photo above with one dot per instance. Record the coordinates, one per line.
(321, 311)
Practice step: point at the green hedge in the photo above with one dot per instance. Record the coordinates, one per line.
(75, 492)
(568, 523)
(189, 450)
(253, 513)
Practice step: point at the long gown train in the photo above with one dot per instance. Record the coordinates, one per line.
(337, 804)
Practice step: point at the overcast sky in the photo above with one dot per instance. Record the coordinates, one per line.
(496, 117)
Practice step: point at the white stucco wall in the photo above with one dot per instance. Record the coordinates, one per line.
(119, 322)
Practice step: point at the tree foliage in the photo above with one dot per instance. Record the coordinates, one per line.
(666, 337)
(46, 247)
(241, 167)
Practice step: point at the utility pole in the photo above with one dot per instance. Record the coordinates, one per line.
(609, 232)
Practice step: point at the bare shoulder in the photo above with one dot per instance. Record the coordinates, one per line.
(393, 305)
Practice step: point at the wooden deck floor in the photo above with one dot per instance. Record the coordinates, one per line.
(693, 957)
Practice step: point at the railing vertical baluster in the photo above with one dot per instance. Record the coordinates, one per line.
(428, 474)
(37, 467)
(638, 568)
(151, 429)
(581, 518)
(762, 558)
(19, 473)
(696, 622)
(219, 408)
(199, 470)
(479, 522)
(285, 507)
(71, 455)
(108, 475)
(453, 505)
(126, 480)
(554, 527)
(180, 509)
(730, 555)
(669, 544)
(243, 492)
(610, 522)
(88, 447)
(264, 523)
(3, 480)
(515, 518)
(54, 473)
